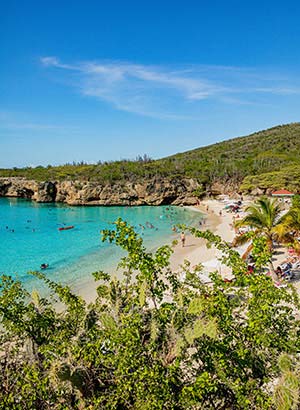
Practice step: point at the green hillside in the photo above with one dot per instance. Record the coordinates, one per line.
(269, 158)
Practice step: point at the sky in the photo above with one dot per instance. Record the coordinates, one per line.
(99, 80)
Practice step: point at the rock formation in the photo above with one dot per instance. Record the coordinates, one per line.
(145, 192)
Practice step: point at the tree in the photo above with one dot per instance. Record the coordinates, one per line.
(150, 340)
(291, 222)
(263, 217)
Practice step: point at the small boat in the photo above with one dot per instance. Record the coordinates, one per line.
(65, 228)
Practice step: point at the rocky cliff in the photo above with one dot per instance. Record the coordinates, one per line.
(147, 192)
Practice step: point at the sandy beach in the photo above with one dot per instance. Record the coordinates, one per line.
(217, 220)
(195, 250)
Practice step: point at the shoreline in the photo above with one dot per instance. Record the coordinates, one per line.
(195, 250)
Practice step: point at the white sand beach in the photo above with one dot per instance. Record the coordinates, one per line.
(195, 250)
(219, 222)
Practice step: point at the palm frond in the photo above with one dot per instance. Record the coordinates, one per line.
(263, 214)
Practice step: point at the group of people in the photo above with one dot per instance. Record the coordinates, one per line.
(287, 268)
(148, 225)
(283, 271)
(283, 274)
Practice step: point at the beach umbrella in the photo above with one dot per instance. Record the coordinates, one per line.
(213, 264)
(216, 265)
(204, 278)
(282, 193)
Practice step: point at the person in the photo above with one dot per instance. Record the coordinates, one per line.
(279, 272)
(251, 259)
(250, 269)
(44, 265)
(182, 238)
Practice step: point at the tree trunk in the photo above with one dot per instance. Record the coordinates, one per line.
(273, 273)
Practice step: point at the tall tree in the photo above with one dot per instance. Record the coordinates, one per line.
(263, 217)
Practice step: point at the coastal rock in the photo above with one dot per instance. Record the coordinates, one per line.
(229, 188)
(187, 200)
(18, 187)
(46, 192)
(257, 192)
(155, 191)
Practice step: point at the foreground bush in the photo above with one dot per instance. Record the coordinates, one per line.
(151, 340)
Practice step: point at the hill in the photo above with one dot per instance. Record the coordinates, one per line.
(265, 159)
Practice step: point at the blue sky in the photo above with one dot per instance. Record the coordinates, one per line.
(105, 80)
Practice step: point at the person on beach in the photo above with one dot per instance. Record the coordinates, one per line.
(182, 238)
(279, 272)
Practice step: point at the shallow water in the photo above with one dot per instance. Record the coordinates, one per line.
(30, 236)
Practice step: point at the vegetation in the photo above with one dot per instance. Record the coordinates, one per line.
(155, 340)
(287, 177)
(265, 221)
(263, 217)
(266, 159)
(291, 223)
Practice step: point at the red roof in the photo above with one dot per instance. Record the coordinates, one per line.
(282, 192)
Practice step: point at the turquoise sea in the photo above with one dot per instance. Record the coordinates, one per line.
(30, 236)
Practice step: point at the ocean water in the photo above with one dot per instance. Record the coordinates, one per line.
(30, 236)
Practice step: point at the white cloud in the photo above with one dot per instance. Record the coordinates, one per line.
(49, 61)
(18, 121)
(279, 90)
(163, 92)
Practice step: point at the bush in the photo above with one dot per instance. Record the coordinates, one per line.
(151, 340)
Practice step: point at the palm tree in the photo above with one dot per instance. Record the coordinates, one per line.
(292, 219)
(263, 217)
(291, 225)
